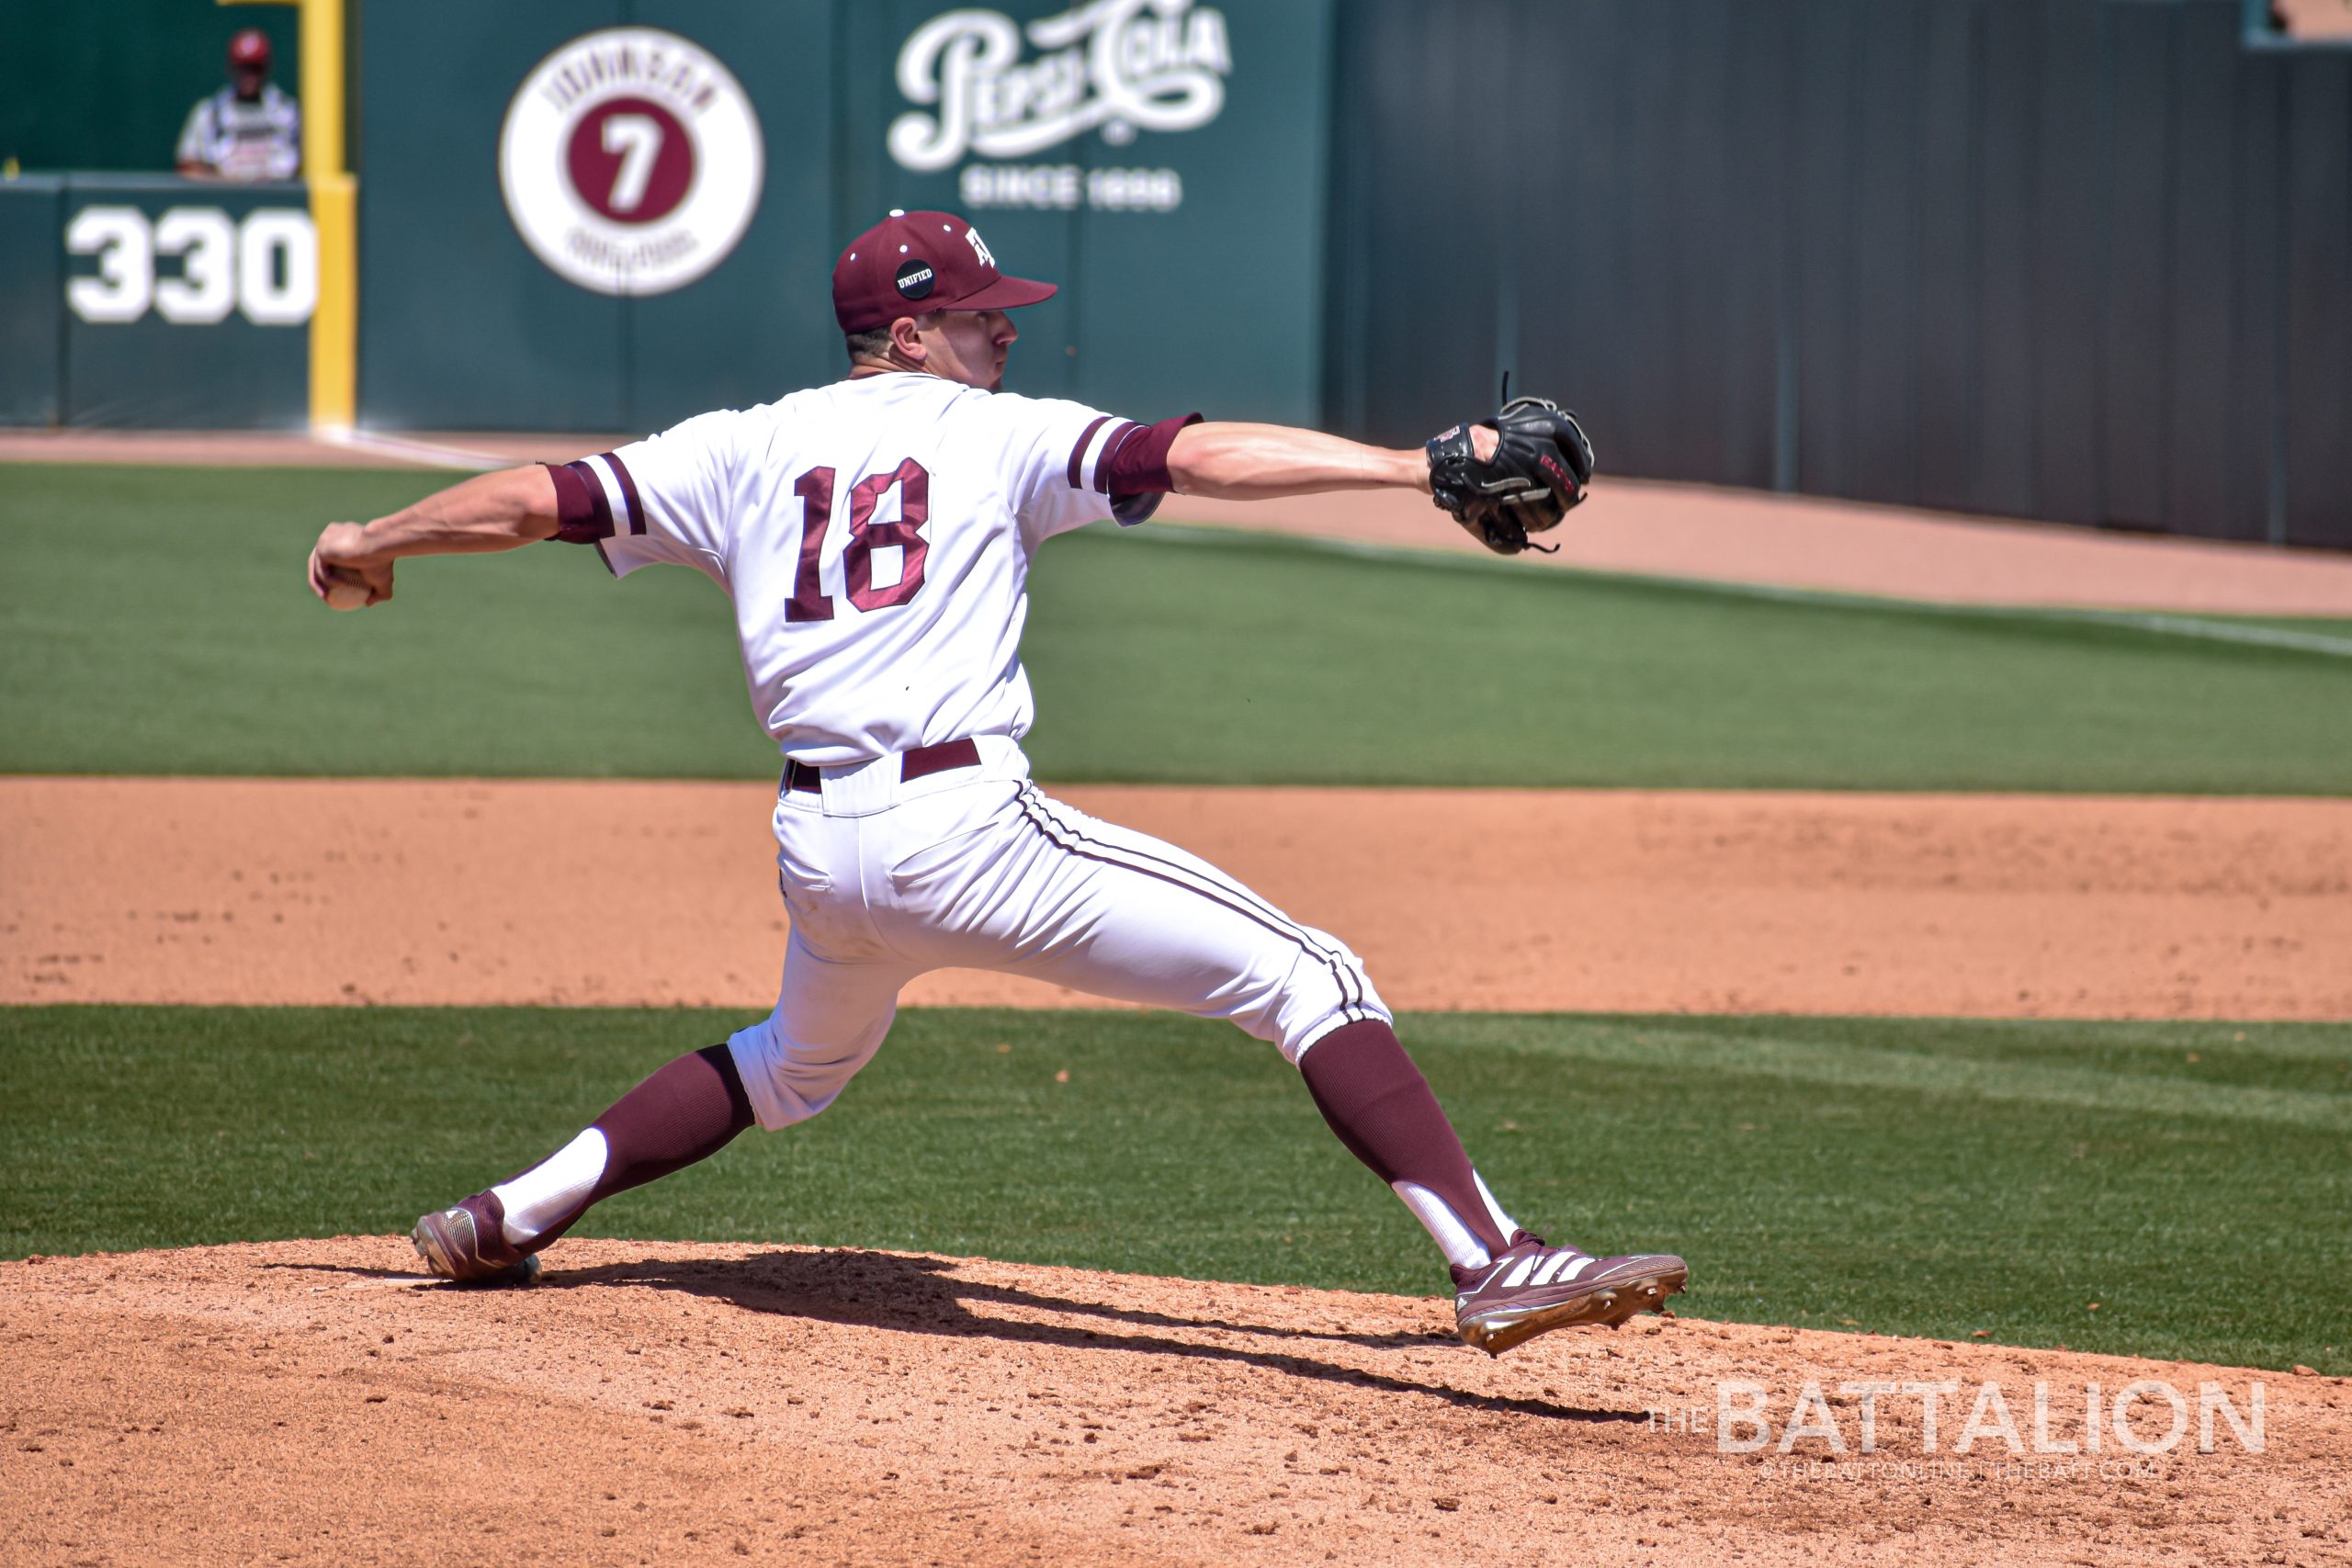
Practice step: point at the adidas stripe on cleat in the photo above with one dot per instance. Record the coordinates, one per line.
(467, 1244)
(1532, 1288)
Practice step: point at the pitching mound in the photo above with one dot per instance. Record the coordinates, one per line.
(314, 1401)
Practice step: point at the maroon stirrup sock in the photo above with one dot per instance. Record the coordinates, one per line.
(687, 1112)
(1381, 1107)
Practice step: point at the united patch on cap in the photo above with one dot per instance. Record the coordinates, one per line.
(913, 263)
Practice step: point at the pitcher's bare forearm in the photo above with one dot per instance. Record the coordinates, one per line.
(501, 511)
(1260, 462)
(1231, 461)
(489, 511)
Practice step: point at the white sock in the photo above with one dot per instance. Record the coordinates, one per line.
(1460, 1245)
(1457, 1241)
(1504, 1223)
(555, 1188)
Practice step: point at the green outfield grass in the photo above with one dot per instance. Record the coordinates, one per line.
(153, 621)
(1923, 1178)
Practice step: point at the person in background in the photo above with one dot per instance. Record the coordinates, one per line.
(247, 130)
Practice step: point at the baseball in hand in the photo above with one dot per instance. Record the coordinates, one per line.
(340, 586)
(344, 587)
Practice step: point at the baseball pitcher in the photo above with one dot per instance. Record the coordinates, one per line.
(874, 537)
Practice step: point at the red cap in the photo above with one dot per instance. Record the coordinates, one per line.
(913, 263)
(250, 47)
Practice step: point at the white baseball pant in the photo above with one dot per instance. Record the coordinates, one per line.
(976, 868)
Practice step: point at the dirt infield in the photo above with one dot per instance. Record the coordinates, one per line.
(274, 891)
(1630, 526)
(312, 1401)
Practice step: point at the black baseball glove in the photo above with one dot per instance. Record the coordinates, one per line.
(1541, 464)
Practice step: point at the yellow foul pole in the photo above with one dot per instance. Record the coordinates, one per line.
(334, 211)
(334, 215)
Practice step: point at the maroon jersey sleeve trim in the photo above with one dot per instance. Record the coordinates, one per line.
(1078, 452)
(1137, 462)
(628, 492)
(582, 515)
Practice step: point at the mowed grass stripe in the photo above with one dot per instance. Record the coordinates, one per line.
(1764, 1052)
(2327, 637)
(154, 622)
(1823, 1171)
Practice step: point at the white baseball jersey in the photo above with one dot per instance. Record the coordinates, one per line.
(875, 536)
(241, 140)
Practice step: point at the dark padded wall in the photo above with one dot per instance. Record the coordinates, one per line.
(152, 373)
(458, 326)
(1213, 307)
(2318, 282)
(2081, 260)
(462, 327)
(32, 300)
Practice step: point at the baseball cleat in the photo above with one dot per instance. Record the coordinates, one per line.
(1532, 1288)
(467, 1244)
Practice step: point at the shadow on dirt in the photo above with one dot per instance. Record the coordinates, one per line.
(387, 1275)
(922, 1295)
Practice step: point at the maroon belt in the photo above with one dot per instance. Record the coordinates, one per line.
(920, 762)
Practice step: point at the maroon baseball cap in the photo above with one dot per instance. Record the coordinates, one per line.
(250, 47)
(913, 263)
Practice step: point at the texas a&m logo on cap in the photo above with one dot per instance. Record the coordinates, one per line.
(915, 263)
(631, 161)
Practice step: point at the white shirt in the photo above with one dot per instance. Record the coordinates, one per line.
(241, 140)
(875, 536)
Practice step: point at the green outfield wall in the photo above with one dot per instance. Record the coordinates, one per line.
(2086, 260)
(149, 300)
(559, 233)
(32, 316)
